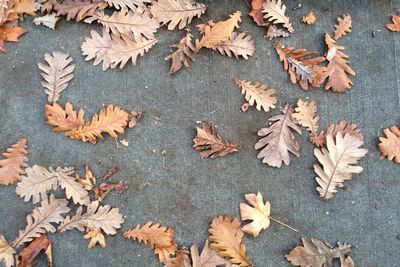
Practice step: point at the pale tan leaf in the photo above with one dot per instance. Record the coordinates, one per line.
(123, 4)
(275, 13)
(219, 32)
(136, 24)
(278, 139)
(42, 218)
(105, 217)
(184, 52)
(112, 120)
(389, 146)
(275, 32)
(159, 238)
(343, 27)
(96, 47)
(310, 18)
(317, 253)
(181, 259)
(338, 161)
(207, 258)
(395, 27)
(56, 74)
(226, 237)
(176, 13)
(89, 181)
(4, 6)
(258, 212)
(49, 20)
(305, 115)
(211, 144)
(73, 189)
(348, 262)
(96, 237)
(352, 129)
(64, 119)
(14, 163)
(6, 252)
(79, 9)
(259, 94)
(239, 45)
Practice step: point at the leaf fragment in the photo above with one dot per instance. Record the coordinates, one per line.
(395, 27)
(275, 32)
(343, 27)
(96, 237)
(184, 52)
(305, 115)
(27, 257)
(49, 20)
(14, 163)
(207, 258)
(389, 146)
(320, 139)
(275, 13)
(310, 18)
(256, 12)
(211, 144)
(259, 94)
(6, 251)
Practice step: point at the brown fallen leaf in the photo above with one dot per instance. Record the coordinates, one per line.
(207, 258)
(176, 13)
(303, 66)
(395, 27)
(338, 161)
(317, 253)
(6, 251)
(255, 13)
(240, 44)
(320, 139)
(305, 115)
(338, 68)
(27, 257)
(89, 181)
(127, 4)
(63, 119)
(275, 32)
(389, 146)
(211, 144)
(57, 73)
(24, 7)
(78, 9)
(343, 27)
(159, 238)
(184, 52)
(278, 139)
(310, 18)
(181, 259)
(219, 32)
(275, 13)
(134, 117)
(10, 34)
(96, 237)
(106, 187)
(259, 94)
(226, 237)
(14, 163)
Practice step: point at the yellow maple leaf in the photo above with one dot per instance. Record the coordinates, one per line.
(258, 212)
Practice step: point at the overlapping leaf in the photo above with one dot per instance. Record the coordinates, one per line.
(207, 258)
(275, 13)
(14, 163)
(96, 237)
(256, 12)
(395, 26)
(259, 94)
(184, 52)
(352, 129)
(305, 115)
(64, 119)
(6, 252)
(79, 9)
(124, 4)
(240, 45)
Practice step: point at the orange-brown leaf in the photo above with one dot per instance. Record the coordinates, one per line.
(211, 144)
(395, 27)
(181, 259)
(27, 257)
(14, 163)
(24, 7)
(184, 51)
(343, 27)
(390, 145)
(79, 9)
(64, 119)
(10, 34)
(310, 18)
(320, 139)
(255, 13)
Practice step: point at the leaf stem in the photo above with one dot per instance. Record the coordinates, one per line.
(284, 224)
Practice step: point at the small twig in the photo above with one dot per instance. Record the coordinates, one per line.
(284, 224)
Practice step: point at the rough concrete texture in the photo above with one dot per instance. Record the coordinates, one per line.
(186, 192)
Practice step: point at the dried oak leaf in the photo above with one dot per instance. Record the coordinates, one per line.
(259, 94)
(310, 18)
(395, 27)
(56, 74)
(240, 44)
(105, 218)
(275, 32)
(38, 181)
(96, 237)
(226, 237)
(176, 12)
(159, 238)
(124, 4)
(6, 252)
(255, 13)
(207, 258)
(49, 20)
(41, 220)
(184, 51)
(10, 34)
(320, 139)
(14, 163)
(112, 120)
(113, 50)
(258, 213)
(337, 68)
(79, 9)
(275, 13)
(211, 144)
(4, 7)
(89, 181)
(219, 32)
(305, 115)
(181, 259)
(343, 27)
(278, 139)
(338, 161)
(64, 119)
(135, 24)
(389, 146)
(24, 7)
(301, 65)
(317, 253)
(27, 257)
